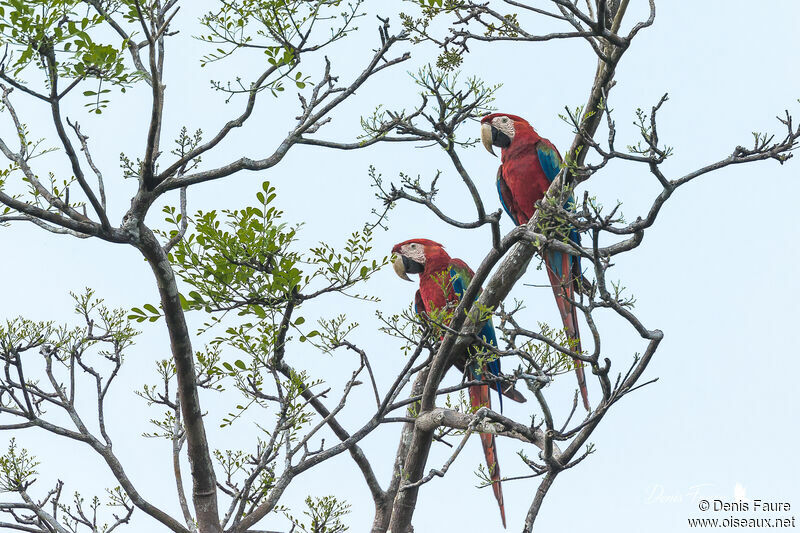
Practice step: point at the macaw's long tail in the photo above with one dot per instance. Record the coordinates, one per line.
(479, 397)
(563, 279)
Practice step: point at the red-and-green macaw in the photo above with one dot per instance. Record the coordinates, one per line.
(529, 163)
(442, 283)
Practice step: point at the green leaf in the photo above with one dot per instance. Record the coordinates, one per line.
(194, 295)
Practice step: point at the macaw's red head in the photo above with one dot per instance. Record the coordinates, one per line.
(500, 129)
(415, 255)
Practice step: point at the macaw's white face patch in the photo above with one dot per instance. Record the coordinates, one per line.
(505, 125)
(414, 251)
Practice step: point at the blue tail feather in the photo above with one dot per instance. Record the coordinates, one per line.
(488, 335)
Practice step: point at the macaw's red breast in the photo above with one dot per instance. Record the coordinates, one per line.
(526, 182)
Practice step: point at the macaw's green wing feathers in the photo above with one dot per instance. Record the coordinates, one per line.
(549, 159)
(461, 275)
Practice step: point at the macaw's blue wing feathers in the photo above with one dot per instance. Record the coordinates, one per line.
(460, 280)
(548, 159)
(574, 236)
(461, 276)
(488, 336)
(419, 306)
(505, 195)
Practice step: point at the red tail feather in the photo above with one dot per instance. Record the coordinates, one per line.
(569, 316)
(479, 397)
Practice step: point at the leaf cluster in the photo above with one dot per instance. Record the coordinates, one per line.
(17, 468)
(64, 39)
(280, 29)
(324, 515)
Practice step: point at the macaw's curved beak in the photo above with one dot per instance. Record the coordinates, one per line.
(404, 266)
(399, 267)
(486, 137)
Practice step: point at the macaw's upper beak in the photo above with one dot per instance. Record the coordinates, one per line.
(399, 267)
(486, 137)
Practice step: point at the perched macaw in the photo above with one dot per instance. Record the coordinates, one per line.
(529, 163)
(442, 283)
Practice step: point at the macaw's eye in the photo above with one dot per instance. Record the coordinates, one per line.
(505, 119)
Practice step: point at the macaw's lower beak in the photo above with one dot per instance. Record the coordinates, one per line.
(486, 137)
(399, 267)
(404, 266)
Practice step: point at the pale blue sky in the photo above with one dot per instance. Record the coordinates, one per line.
(717, 273)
